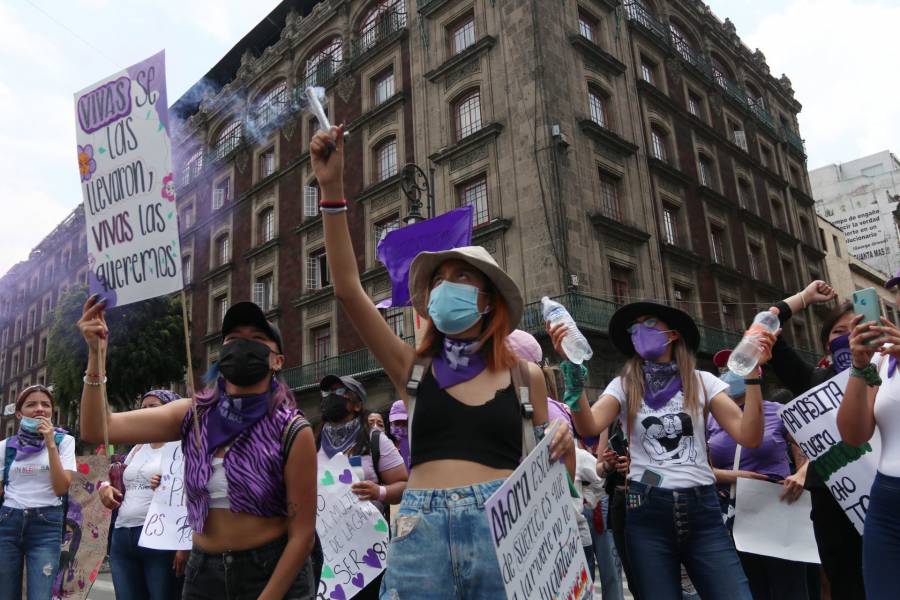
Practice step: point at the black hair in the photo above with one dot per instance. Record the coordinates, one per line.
(831, 318)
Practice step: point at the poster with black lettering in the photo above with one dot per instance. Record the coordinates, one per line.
(847, 471)
(535, 534)
(125, 164)
(166, 525)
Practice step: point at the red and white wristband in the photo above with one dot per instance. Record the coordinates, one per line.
(333, 207)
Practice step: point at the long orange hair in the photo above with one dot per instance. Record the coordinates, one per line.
(495, 328)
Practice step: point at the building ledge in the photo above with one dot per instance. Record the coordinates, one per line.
(618, 229)
(812, 251)
(714, 196)
(784, 236)
(485, 231)
(385, 107)
(597, 55)
(749, 215)
(220, 270)
(667, 169)
(801, 196)
(682, 253)
(377, 188)
(381, 45)
(486, 133)
(308, 224)
(484, 44)
(373, 273)
(314, 296)
(607, 137)
(429, 7)
(726, 271)
(262, 248)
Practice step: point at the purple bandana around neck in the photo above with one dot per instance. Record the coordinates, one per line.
(661, 383)
(29, 442)
(892, 366)
(459, 361)
(339, 438)
(231, 415)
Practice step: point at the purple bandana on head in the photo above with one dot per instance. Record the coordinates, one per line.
(661, 383)
(233, 414)
(165, 396)
(459, 361)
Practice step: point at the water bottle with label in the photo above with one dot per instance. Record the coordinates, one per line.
(747, 353)
(575, 345)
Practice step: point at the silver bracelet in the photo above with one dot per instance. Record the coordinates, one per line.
(93, 383)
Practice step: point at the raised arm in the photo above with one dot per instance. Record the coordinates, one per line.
(396, 356)
(162, 424)
(816, 292)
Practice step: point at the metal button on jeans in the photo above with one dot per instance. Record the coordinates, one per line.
(454, 496)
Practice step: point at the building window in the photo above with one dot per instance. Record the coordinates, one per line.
(220, 307)
(383, 19)
(187, 270)
(717, 244)
(395, 320)
(790, 276)
(223, 249)
(221, 193)
(837, 245)
(474, 193)
(609, 197)
(778, 214)
(317, 270)
(461, 34)
(804, 230)
(745, 195)
(272, 104)
(468, 114)
(620, 281)
(765, 156)
(321, 343)
(730, 318)
(757, 262)
(670, 224)
(266, 223)
(267, 163)
(597, 104)
(186, 217)
(263, 291)
(658, 145)
(29, 357)
(228, 139)
(323, 63)
(31, 319)
(43, 350)
(648, 70)
(382, 228)
(682, 296)
(739, 137)
(695, 105)
(587, 26)
(706, 171)
(383, 86)
(386, 159)
(192, 167)
(311, 199)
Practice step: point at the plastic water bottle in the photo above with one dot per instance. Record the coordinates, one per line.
(746, 355)
(574, 344)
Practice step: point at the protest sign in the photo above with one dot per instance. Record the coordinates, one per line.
(847, 471)
(166, 525)
(354, 535)
(535, 534)
(765, 525)
(125, 163)
(86, 531)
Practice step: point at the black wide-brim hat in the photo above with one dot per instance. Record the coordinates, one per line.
(676, 319)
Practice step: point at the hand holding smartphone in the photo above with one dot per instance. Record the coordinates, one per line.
(867, 304)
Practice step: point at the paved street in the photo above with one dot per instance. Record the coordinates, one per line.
(103, 588)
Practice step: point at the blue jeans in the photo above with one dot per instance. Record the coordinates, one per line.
(140, 573)
(604, 555)
(33, 538)
(441, 547)
(881, 538)
(667, 528)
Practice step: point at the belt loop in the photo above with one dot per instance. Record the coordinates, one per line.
(426, 500)
(478, 493)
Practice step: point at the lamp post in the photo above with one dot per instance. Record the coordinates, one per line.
(415, 181)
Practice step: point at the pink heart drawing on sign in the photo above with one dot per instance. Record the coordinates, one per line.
(338, 594)
(346, 476)
(371, 559)
(359, 581)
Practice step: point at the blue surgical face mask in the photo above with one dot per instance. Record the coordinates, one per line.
(29, 424)
(453, 307)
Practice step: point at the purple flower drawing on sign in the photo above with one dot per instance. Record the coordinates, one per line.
(86, 163)
(168, 187)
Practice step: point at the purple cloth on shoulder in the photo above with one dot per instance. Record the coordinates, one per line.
(769, 459)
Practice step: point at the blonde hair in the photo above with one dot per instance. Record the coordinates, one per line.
(633, 381)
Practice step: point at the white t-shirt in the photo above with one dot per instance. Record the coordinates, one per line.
(141, 466)
(887, 419)
(669, 441)
(29, 476)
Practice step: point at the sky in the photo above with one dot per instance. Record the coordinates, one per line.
(839, 54)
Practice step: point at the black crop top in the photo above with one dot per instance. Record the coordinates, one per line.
(445, 428)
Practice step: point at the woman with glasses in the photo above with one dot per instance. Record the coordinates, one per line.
(38, 464)
(663, 401)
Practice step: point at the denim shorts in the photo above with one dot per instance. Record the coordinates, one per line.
(441, 547)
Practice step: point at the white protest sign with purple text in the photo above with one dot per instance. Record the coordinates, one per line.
(166, 524)
(125, 164)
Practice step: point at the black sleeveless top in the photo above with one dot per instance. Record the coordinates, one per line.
(445, 428)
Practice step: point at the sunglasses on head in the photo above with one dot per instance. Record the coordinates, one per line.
(341, 391)
(648, 323)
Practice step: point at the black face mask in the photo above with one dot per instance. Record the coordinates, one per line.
(244, 362)
(334, 408)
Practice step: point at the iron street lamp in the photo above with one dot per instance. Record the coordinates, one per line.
(414, 182)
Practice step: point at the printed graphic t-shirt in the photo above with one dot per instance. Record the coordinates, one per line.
(669, 441)
(141, 466)
(29, 476)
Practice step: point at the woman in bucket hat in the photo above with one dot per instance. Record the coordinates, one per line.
(467, 430)
(663, 401)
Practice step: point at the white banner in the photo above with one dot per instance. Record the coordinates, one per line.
(535, 533)
(125, 164)
(166, 526)
(354, 534)
(765, 525)
(847, 471)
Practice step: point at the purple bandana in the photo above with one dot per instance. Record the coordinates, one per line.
(661, 383)
(165, 396)
(459, 361)
(29, 442)
(338, 438)
(892, 366)
(233, 414)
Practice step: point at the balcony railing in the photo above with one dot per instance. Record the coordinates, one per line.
(381, 28)
(793, 138)
(762, 114)
(638, 13)
(732, 89)
(322, 72)
(692, 56)
(590, 313)
(225, 147)
(358, 363)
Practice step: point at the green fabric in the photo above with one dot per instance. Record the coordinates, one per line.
(870, 374)
(574, 376)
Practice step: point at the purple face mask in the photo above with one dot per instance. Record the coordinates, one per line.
(649, 342)
(840, 352)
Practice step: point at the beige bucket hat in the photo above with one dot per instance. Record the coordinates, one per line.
(426, 263)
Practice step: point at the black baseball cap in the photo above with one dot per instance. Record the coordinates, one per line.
(249, 313)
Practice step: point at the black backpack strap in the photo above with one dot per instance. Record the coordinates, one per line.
(294, 426)
(417, 373)
(522, 383)
(375, 451)
(8, 457)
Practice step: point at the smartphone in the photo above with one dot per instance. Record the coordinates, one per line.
(651, 478)
(867, 304)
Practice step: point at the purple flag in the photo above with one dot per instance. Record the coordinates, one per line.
(397, 250)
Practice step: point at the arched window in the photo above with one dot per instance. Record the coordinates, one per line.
(597, 102)
(265, 221)
(272, 104)
(721, 72)
(228, 139)
(467, 114)
(385, 159)
(323, 63)
(384, 18)
(659, 143)
(754, 97)
(706, 170)
(222, 249)
(745, 195)
(192, 167)
(684, 44)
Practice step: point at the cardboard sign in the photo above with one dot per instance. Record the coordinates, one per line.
(354, 534)
(125, 164)
(166, 526)
(847, 471)
(535, 534)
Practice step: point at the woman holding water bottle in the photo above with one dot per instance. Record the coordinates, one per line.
(466, 424)
(672, 508)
